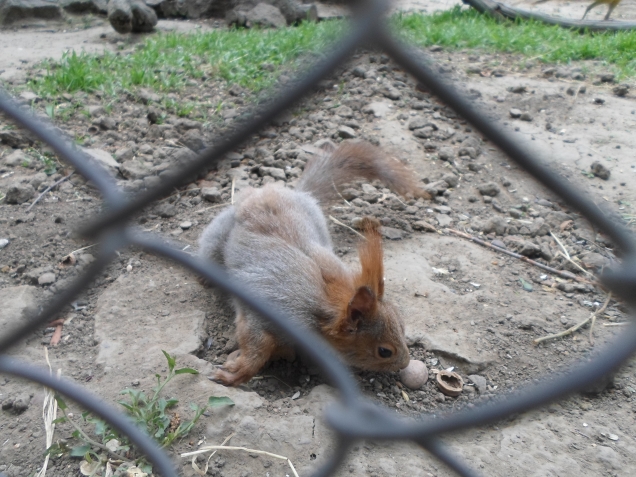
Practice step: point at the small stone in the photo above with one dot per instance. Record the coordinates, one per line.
(443, 209)
(346, 132)
(529, 249)
(489, 189)
(46, 278)
(211, 194)
(166, 210)
(379, 108)
(344, 111)
(445, 154)
(29, 96)
(621, 90)
(519, 89)
(539, 228)
(607, 78)
(104, 158)
(526, 117)
(124, 154)
(479, 382)
(193, 139)
(451, 179)
(443, 220)
(19, 193)
(18, 158)
(515, 113)
(417, 122)
(134, 169)
(266, 15)
(469, 151)
(275, 172)
(392, 233)
(105, 123)
(359, 72)
(415, 375)
(3, 243)
(600, 171)
(392, 94)
(96, 110)
(185, 225)
(495, 224)
(21, 402)
(424, 133)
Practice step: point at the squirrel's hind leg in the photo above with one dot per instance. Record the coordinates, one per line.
(255, 349)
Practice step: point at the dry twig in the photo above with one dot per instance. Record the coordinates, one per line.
(207, 463)
(48, 189)
(336, 221)
(49, 414)
(212, 207)
(561, 273)
(572, 329)
(244, 449)
(338, 192)
(565, 254)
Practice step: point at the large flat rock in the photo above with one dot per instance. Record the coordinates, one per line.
(131, 324)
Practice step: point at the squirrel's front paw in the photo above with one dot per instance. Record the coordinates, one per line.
(226, 378)
(204, 282)
(230, 373)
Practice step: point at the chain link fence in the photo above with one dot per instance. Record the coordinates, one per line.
(353, 417)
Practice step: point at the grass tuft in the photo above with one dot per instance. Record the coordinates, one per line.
(165, 62)
(467, 29)
(255, 58)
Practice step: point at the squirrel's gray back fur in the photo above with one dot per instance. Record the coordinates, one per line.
(273, 254)
(274, 240)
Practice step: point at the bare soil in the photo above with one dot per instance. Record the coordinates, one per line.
(465, 306)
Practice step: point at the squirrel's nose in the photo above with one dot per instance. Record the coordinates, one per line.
(404, 362)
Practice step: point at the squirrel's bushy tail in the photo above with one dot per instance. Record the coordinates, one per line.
(326, 172)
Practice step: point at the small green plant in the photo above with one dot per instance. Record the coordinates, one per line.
(50, 111)
(185, 109)
(150, 412)
(48, 160)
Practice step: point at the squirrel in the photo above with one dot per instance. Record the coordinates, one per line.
(275, 241)
(612, 4)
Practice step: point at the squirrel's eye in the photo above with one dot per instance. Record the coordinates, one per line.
(385, 353)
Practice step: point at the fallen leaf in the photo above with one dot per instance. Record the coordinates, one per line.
(88, 469)
(567, 225)
(439, 271)
(57, 335)
(527, 286)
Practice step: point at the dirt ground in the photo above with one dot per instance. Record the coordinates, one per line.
(465, 306)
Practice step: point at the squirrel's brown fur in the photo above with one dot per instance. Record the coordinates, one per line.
(276, 242)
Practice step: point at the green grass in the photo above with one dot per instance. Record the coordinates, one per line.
(467, 29)
(166, 62)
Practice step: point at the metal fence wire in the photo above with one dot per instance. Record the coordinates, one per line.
(353, 417)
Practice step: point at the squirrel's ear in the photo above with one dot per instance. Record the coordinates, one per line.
(362, 305)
